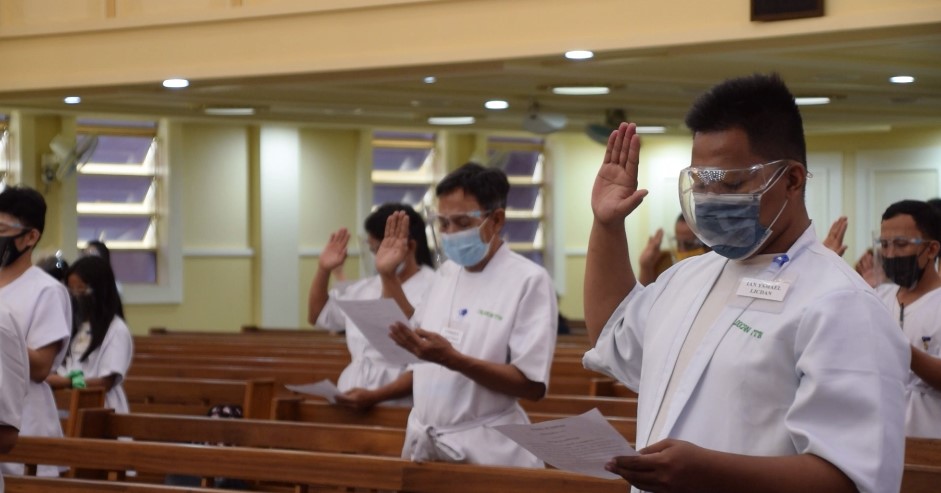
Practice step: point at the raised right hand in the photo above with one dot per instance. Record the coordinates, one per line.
(394, 247)
(615, 194)
(650, 255)
(334, 253)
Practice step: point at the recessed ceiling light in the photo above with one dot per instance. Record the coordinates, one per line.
(651, 129)
(902, 79)
(581, 90)
(451, 120)
(72, 100)
(430, 79)
(176, 83)
(579, 55)
(496, 104)
(229, 111)
(812, 100)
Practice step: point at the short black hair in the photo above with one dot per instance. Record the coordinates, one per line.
(926, 218)
(375, 225)
(489, 186)
(762, 106)
(26, 205)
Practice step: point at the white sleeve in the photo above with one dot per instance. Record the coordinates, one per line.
(849, 408)
(331, 317)
(14, 372)
(116, 352)
(51, 320)
(619, 350)
(532, 340)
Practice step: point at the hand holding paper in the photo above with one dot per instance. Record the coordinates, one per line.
(373, 318)
(581, 444)
(324, 388)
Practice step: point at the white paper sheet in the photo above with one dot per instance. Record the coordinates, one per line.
(581, 444)
(373, 318)
(324, 388)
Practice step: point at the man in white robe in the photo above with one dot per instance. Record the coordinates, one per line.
(485, 331)
(767, 364)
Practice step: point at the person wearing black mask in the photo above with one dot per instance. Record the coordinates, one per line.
(908, 245)
(39, 306)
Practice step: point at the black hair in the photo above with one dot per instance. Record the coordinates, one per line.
(104, 300)
(489, 186)
(55, 266)
(375, 225)
(926, 217)
(26, 205)
(100, 248)
(681, 218)
(762, 106)
(935, 204)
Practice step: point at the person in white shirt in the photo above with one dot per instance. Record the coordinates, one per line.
(14, 381)
(368, 369)
(909, 243)
(486, 330)
(767, 364)
(101, 347)
(39, 306)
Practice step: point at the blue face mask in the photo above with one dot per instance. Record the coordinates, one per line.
(729, 224)
(465, 248)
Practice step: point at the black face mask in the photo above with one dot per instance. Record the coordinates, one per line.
(903, 271)
(8, 251)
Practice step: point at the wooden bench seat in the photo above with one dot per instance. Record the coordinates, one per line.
(33, 484)
(300, 469)
(370, 440)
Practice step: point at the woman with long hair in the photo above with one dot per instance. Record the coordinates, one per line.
(368, 370)
(101, 348)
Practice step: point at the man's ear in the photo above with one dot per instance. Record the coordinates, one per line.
(796, 177)
(32, 237)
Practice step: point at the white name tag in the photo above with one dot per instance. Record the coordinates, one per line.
(766, 290)
(453, 335)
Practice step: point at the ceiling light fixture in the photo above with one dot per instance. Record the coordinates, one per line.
(229, 110)
(579, 55)
(581, 90)
(651, 129)
(451, 120)
(430, 79)
(812, 100)
(176, 83)
(72, 100)
(496, 104)
(901, 79)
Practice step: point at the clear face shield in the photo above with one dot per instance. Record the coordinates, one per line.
(896, 259)
(722, 206)
(456, 236)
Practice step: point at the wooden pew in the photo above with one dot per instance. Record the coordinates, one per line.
(924, 451)
(300, 469)
(33, 484)
(193, 396)
(295, 468)
(921, 479)
(70, 401)
(431, 477)
(311, 411)
(280, 377)
(608, 387)
(370, 440)
(578, 404)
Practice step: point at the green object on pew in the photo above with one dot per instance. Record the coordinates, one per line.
(78, 379)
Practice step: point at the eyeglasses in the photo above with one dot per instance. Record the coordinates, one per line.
(6, 227)
(750, 180)
(687, 245)
(898, 242)
(459, 221)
